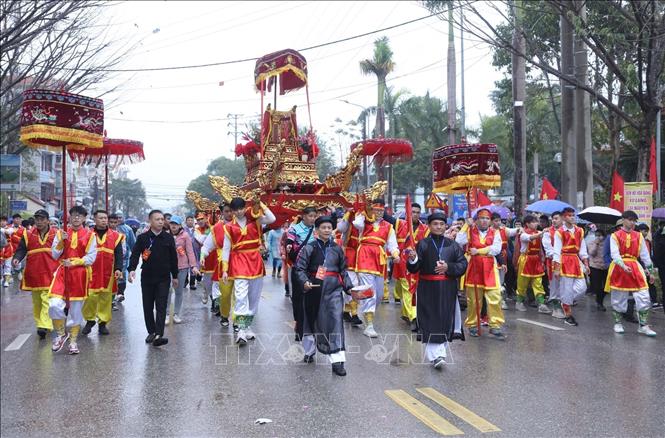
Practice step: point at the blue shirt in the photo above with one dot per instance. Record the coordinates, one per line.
(607, 255)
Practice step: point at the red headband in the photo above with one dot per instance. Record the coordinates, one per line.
(484, 213)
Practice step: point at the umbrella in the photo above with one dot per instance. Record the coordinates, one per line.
(659, 213)
(132, 222)
(548, 206)
(502, 211)
(600, 215)
(59, 120)
(114, 148)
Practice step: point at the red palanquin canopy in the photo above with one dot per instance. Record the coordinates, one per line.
(459, 167)
(113, 148)
(53, 119)
(393, 150)
(289, 65)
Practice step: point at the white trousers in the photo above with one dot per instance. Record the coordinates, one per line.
(376, 281)
(571, 289)
(354, 279)
(554, 288)
(56, 310)
(432, 350)
(247, 294)
(7, 267)
(620, 300)
(216, 293)
(309, 345)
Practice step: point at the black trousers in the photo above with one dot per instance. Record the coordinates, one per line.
(297, 302)
(598, 277)
(155, 297)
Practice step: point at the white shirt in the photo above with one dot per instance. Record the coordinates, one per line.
(548, 244)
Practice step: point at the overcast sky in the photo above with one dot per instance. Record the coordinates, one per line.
(181, 115)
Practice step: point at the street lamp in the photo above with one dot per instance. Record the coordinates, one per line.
(365, 135)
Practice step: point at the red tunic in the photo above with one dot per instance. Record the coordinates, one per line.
(217, 232)
(570, 250)
(401, 232)
(482, 270)
(245, 260)
(103, 279)
(504, 244)
(16, 237)
(531, 264)
(8, 251)
(371, 256)
(39, 263)
(630, 244)
(72, 283)
(548, 262)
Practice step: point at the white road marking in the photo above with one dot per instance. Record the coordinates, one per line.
(18, 342)
(541, 324)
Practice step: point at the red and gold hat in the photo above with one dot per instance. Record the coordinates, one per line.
(483, 212)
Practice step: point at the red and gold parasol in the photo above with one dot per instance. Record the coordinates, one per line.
(457, 168)
(57, 119)
(288, 65)
(116, 150)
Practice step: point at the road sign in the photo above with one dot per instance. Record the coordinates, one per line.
(18, 206)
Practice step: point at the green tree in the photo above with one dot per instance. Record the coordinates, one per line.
(380, 65)
(234, 170)
(128, 196)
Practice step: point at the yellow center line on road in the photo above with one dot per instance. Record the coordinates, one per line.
(460, 411)
(422, 412)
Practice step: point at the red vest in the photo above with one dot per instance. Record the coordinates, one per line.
(630, 244)
(245, 260)
(371, 257)
(103, 279)
(8, 251)
(210, 262)
(72, 283)
(420, 233)
(217, 232)
(570, 250)
(17, 236)
(39, 263)
(530, 263)
(482, 270)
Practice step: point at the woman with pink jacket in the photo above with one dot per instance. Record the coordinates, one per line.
(186, 261)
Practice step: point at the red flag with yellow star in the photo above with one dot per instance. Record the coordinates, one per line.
(548, 191)
(616, 196)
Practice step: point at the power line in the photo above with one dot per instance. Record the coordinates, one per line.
(237, 61)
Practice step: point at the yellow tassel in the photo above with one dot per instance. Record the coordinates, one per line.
(74, 239)
(74, 332)
(627, 241)
(369, 317)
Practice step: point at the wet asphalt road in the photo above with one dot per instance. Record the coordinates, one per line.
(579, 381)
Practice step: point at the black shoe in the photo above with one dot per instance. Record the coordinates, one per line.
(298, 338)
(347, 317)
(103, 330)
(224, 322)
(570, 321)
(150, 338)
(88, 327)
(600, 308)
(308, 358)
(338, 368)
(236, 329)
(41, 332)
(414, 326)
(159, 341)
(191, 287)
(121, 298)
(398, 301)
(356, 321)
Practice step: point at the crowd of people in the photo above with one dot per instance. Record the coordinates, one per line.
(337, 267)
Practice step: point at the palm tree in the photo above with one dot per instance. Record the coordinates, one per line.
(391, 105)
(380, 65)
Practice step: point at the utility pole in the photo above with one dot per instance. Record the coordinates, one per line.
(233, 125)
(568, 153)
(463, 106)
(519, 119)
(452, 77)
(583, 118)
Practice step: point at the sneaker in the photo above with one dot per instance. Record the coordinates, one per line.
(241, 337)
(159, 341)
(176, 319)
(504, 305)
(414, 326)
(570, 320)
(473, 331)
(204, 298)
(520, 307)
(370, 332)
(236, 329)
(73, 348)
(41, 332)
(250, 333)
(618, 328)
(385, 301)
(355, 320)
(497, 333)
(338, 368)
(103, 330)
(439, 362)
(544, 309)
(88, 327)
(167, 320)
(224, 322)
(558, 313)
(646, 330)
(59, 342)
(114, 306)
(150, 338)
(5, 284)
(656, 306)
(346, 316)
(398, 301)
(121, 298)
(484, 321)
(309, 358)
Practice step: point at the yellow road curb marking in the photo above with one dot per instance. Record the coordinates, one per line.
(460, 411)
(422, 412)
